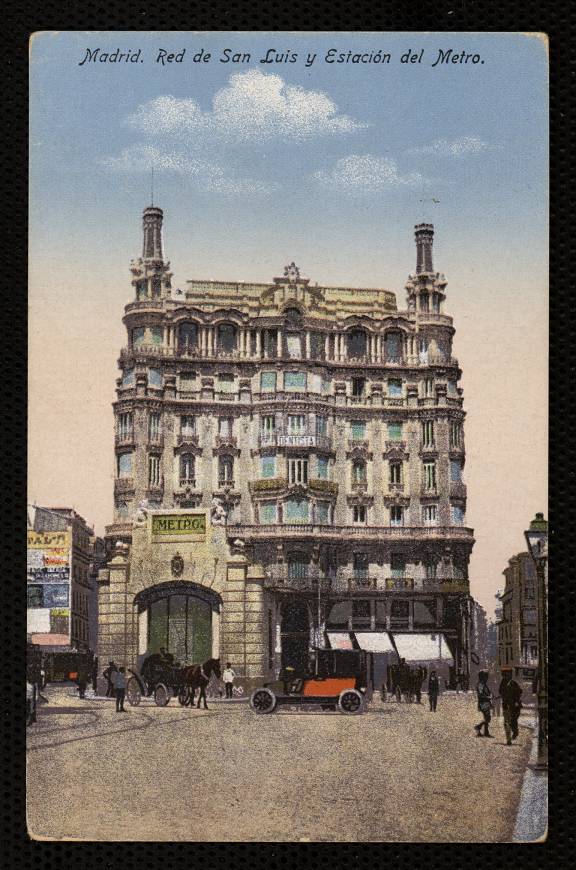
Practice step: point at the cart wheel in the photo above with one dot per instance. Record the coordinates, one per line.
(263, 701)
(133, 692)
(183, 696)
(161, 695)
(350, 701)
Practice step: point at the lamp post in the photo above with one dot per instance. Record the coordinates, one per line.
(537, 540)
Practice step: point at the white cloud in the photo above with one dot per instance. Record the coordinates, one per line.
(464, 146)
(365, 173)
(253, 105)
(208, 176)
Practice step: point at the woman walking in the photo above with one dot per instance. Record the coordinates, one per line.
(484, 704)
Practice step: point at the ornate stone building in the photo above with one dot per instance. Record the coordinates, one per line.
(328, 426)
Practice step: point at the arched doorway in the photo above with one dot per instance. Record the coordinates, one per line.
(182, 618)
(295, 636)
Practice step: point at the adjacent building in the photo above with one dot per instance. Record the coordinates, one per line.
(289, 471)
(517, 619)
(62, 596)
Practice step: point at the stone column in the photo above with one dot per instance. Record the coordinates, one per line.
(279, 343)
(258, 343)
(308, 344)
(327, 345)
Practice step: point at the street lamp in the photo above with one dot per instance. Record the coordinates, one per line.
(537, 540)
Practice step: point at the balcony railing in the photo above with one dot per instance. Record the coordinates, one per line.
(359, 486)
(226, 441)
(188, 482)
(399, 584)
(395, 486)
(395, 445)
(225, 483)
(281, 579)
(124, 484)
(360, 582)
(357, 533)
(187, 438)
(124, 437)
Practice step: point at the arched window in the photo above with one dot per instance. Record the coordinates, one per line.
(187, 470)
(226, 337)
(187, 336)
(297, 565)
(177, 620)
(357, 342)
(393, 346)
(358, 471)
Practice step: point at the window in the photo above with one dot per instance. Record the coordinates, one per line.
(138, 336)
(457, 515)
(430, 476)
(436, 302)
(294, 346)
(226, 383)
(122, 509)
(396, 515)
(360, 565)
(359, 514)
(356, 342)
(153, 470)
(397, 565)
(297, 566)
(226, 337)
(358, 430)
(424, 302)
(395, 388)
(268, 424)
(395, 469)
(154, 378)
(361, 613)
(297, 471)
(455, 470)
(455, 434)
(326, 384)
(141, 290)
(225, 470)
(187, 470)
(295, 381)
(124, 465)
(431, 569)
(154, 426)
(267, 381)
(452, 389)
(268, 512)
(429, 514)
(296, 424)
(125, 426)
(225, 425)
(395, 431)
(322, 468)
(359, 471)
(358, 387)
(187, 336)
(128, 378)
(315, 382)
(187, 426)
(156, 335)
(321, 425)
(156, 287)
(268, 466)
(423, 350)
(296, 510)
(428, 387)
(399, 614)
(322, 513)
(428, 433)
(393, 346)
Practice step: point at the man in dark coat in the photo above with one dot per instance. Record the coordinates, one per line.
(433, 691)
(511, 693)
(108, 675)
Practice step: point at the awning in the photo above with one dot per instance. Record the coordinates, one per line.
(339, 639)
(423, 647)
(375, 641)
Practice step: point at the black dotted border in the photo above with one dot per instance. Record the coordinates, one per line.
(17, 23)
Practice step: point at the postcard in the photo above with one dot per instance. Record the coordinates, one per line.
(287, 540)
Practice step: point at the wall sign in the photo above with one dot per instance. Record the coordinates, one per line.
(181, 526)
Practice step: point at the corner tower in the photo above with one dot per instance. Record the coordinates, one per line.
(151, 272)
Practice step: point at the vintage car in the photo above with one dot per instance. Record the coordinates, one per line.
(334, 680)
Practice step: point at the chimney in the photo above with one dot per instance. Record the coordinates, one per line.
(152, 226)
(424, 235)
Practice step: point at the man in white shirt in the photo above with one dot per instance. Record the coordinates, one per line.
(228, 676)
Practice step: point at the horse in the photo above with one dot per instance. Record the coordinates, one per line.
(198, 677)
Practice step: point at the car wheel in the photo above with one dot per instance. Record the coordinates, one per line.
(263, 701)
(350, 702)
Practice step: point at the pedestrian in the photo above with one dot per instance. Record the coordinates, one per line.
(484, 704)
(433, 690)
(419, 675)
(119, 678)
(496, 702)
(82, 682)
(511, 693)
(228, 676)
(108, 675)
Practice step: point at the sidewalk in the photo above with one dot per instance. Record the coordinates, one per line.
(532, 819)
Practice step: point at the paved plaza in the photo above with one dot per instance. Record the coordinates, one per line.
(396, 773)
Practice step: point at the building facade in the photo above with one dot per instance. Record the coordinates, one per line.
(62, 594)
(311, 438)
(517, 619)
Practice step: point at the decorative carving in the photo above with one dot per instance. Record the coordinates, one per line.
(142, 513)
(218, 513)
(292, 272)
(177, 565)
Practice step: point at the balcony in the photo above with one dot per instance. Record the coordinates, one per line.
(123, 484)
(124, 438)
(360, 583)
(396, 487)
(322, 487)
(445, 585)
(359, 486)
(358, 444)
(187, 483)
(399, 584)
(395, 445)
(311, 531)
(279, 579)
(155, 439)
(190, 438)
(225, 483)
(268, 485)
(457, 489)
(226, 441)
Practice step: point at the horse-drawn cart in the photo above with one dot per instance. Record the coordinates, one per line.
(164, 680)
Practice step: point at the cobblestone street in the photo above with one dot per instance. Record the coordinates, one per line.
(396, 773)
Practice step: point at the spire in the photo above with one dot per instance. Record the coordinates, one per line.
(152, 226)
(424, 235)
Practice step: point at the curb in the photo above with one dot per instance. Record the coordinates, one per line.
(532, 817)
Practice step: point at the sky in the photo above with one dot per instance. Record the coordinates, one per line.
(327, 164)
